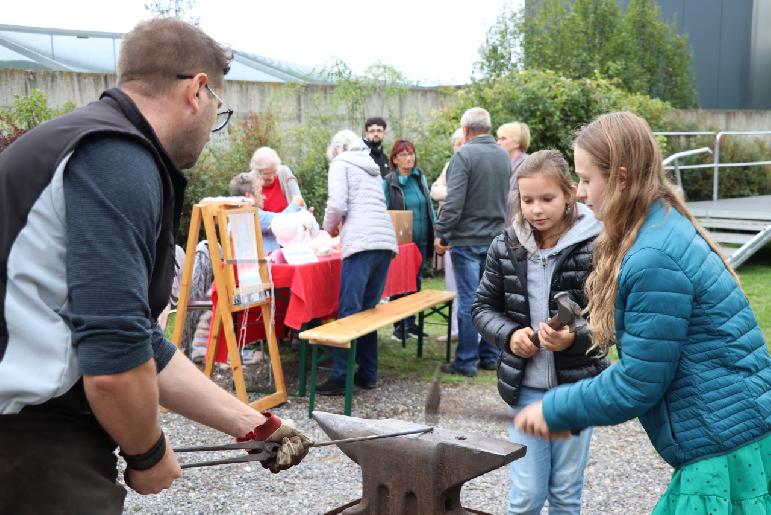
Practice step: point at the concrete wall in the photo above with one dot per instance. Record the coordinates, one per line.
(291, 102)
(728, 119)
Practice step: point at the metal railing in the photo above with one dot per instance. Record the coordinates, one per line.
(716, 165)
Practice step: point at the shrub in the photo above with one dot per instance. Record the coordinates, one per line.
(222, 159)
(586, 38)
(27, 112)
(554, 108)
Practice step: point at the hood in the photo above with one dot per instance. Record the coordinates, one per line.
(360, 159)
(586, 226)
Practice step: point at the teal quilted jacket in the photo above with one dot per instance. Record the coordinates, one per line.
(692, 365)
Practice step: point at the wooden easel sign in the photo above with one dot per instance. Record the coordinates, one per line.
(234, 239)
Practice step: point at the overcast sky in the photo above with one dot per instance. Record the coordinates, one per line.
(432, 41)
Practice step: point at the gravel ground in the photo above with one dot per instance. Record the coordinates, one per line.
(624, 474)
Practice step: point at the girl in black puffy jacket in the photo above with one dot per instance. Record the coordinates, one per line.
(547, 250)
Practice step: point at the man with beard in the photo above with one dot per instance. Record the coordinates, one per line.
(374, 134)
(89, 208)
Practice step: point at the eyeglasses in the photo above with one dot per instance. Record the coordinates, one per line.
(223, 117)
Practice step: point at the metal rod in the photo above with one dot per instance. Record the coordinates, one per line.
(373, 437)
(249, 445)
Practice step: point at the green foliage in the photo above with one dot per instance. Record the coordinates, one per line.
(593, 38)
(27, 112)
(552, 106)
(224, 158)
(755, 275)
(354, 98)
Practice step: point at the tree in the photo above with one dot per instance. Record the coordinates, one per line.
(173, 8)
(593, 38)
(554, 107)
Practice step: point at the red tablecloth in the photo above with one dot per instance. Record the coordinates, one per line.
(314, 291)
(315, 287)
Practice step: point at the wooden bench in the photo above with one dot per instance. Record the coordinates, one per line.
(342, 333)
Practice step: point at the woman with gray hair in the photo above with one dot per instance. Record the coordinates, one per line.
(251, 185)
(356, 209)
(279, 185)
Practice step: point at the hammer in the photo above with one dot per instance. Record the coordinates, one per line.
(568, 314)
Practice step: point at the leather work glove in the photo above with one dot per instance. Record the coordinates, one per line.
(294, 444)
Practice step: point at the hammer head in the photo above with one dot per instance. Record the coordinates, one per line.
(568, 312)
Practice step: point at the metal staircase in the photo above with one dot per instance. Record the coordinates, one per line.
(740, 226)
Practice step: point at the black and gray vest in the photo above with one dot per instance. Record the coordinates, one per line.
(34, 337)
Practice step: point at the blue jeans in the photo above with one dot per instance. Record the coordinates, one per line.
(552, 470)
(362, 280)
(468, 263)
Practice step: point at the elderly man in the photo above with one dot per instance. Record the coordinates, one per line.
(83, 363)
(473, 214)
(279, 185)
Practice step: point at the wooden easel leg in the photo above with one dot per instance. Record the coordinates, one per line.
(275, 362)
(187, 274)
(211, 346)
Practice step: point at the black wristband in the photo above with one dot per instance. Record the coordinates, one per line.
(148, 459)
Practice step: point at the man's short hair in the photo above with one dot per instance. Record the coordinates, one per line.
(157, 50)
(375, 120)
(476, 119)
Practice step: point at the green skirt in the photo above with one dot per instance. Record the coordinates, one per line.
(729, 484)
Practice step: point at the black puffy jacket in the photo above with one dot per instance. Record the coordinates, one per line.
(501, 307)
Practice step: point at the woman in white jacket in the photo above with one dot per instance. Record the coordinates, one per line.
(356, 209)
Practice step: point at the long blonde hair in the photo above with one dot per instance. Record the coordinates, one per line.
(614, 140)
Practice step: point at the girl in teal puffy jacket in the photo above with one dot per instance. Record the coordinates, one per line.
(693, 365)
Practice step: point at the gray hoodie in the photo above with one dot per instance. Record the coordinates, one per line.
(357, 200)
(540, 371)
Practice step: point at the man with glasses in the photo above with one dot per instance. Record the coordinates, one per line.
(89, 209)
(374, 134)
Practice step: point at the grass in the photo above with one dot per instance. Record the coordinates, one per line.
(756, 282)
